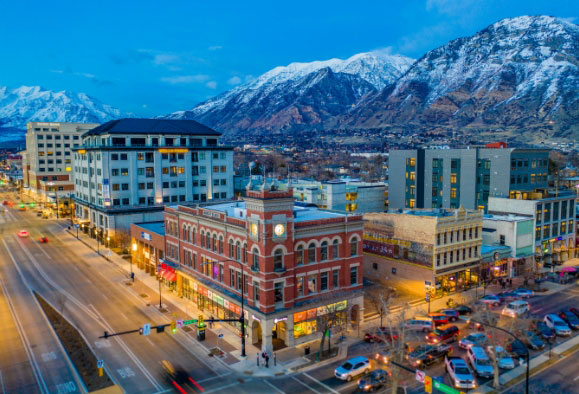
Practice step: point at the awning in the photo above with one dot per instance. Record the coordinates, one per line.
(170, 276)
(161, 273)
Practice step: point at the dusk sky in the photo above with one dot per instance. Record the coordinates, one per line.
(155, 57)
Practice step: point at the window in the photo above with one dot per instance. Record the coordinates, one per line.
(335, 250)
(238, 281)
(336, 279)
(231, 278)
(299, 255)
(312, 253)
(278, 292)
(115, 172)
(231, 247)
(221, 273)
(256, 291)
(354, 247)
(312, 288)
(255, 263)
(323, 281)
(238, 251)
(124, 171)
(353, 275)
(501, 239)
(324, 251)
(301, 286)
(278, 260)
(438, 259)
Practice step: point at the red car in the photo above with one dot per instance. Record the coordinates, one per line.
(23, 234)
(379, 335)
(438, 319)
(443, 334)
(43, 240)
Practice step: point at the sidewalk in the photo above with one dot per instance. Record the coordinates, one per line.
(173, 306)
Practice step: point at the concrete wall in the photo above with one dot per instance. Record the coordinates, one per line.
(407, 277)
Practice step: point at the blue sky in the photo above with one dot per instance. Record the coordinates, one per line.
(156, 57)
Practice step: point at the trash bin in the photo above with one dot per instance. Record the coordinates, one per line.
(306, 350)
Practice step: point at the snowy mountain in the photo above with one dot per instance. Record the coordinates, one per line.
(520, 73)
(33, 103)
(300, 94)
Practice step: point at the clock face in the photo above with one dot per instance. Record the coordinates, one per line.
(254, 228)
(279, 230)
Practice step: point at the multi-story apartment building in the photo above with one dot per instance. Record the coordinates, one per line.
(126, 170)
(448, 178)
(554, 221)
(47, 167)
(290, 262)
(407, 249)
(517, 234)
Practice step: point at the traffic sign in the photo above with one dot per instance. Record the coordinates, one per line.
(100, 363)
(189, 322)
(428, 384)
(444, 388)
(420, 375)
(77, 225)
(180, 323)
(147, 329)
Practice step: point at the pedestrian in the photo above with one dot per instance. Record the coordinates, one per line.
(266, 360)
(258, 359)
(211, 322)
(274, 359)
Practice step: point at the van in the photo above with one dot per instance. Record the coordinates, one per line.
(423, 324)
(516, 308)
(439, 319)
(480, 362)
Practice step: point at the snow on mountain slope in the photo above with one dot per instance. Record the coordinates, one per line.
(33, 103)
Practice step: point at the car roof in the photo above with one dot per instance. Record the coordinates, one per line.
(357, 359)
(458, 361)
(478, 349)
(518, 302)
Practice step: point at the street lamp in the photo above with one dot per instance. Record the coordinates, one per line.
(132, 254)
(242, 317)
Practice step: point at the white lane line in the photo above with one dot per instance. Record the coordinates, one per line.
(305, 385)
(213, 377)
(222, 387)
(273, 387)
(322, 384)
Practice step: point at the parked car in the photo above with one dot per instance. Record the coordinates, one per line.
(505, 361)
(516, 308)
(373, 381)
(463, 310)
(575, 311)
(479, 361)
(473, 339)
(43, 240)
(524, 293)
(353, 367)
(423, 324)
(439, 319)
(427, 355)
(570, 318)
(380, 334)
(509, 296)
(533, 341)
(490, 300)
(557, 324)
(451, 314)
(443, 334)
(544, 331)
(517, 348)
(459, 372)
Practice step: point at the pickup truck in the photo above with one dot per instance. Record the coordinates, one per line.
(459, 372)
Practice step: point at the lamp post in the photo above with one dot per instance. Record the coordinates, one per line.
(527, 356)
(132, 254)
(242, 317)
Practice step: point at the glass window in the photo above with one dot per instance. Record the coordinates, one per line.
(278, 292)
(255, 259)
(336, 279)
(353, 275)
(278, 260)
(354, 247)
(231, 278)
(335, 250)
(312, 287)
(300, 286)
(323, 281)
(324, 251)
(300, 255)
(312, 253)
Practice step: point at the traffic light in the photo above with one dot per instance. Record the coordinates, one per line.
(160, 329)
(173, 327)
(201, 322)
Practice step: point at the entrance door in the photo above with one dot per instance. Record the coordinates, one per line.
(279, 335)
(256, 333)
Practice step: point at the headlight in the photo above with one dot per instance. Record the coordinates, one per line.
(418, 362)
(367, 386)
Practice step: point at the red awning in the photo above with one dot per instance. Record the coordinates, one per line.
(170, 276)
(161, 273)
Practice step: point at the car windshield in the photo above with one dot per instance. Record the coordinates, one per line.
(462, 371)
(484, 361)
(347, 366)
(437, 332)
(559, 323)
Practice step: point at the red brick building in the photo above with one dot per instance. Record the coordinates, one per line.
(291, 261)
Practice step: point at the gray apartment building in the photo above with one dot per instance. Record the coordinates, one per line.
(449, 178)
(127, 170)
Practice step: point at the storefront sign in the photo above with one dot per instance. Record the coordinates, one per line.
(210, 295)
(226, 304)
(167, 267)
(311, 313)
(146, 236)
(195, 286)
(299, 316)
(280, 319)
(218, 299)
(169, 263)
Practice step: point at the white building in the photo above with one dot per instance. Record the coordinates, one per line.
(126, 171)
(47, 164)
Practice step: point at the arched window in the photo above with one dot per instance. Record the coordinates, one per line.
(255, 264)
(354, 247)
(185, 233)
(202, 239)
(238, 251)
(324, 251)
(245, 260)
(312, 253)
(220, 244)
(193, 236)
(300, 255)
(214, 243)
(335, 250)
(231, 251)
(278, 260)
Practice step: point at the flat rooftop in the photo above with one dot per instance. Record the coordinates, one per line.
(154, 227)
(506, 218)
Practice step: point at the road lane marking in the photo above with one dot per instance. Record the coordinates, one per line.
(273, 387)
(65, 388)
(213, 377)
(305, 385)
(322, 384)
(222, 387)
(48, 356)
(576, 378)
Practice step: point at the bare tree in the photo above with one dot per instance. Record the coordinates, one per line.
(330, 317)
(123, 238)
(378, 296)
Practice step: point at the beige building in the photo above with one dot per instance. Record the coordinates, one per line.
(411, 248)
(47, 167)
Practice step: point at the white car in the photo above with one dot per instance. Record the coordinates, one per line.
(353, 367)
(524, 293)
(473, 339)
(516, 308)
(557, 324)
(505, 361)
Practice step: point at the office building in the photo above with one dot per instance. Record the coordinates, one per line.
(47, 164)
(126, 170)
(449, 178)
(411, 248)
(292, 262)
